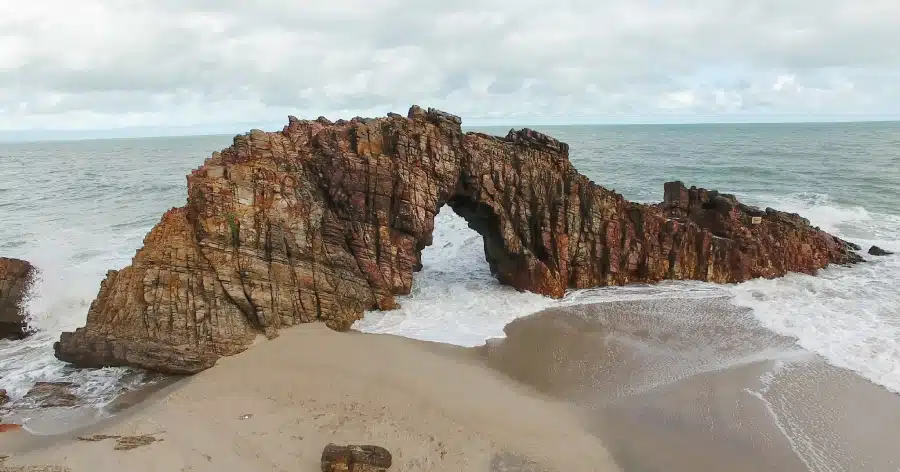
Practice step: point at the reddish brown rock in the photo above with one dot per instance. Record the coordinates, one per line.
(16, 279)
(745, 242)
(50, 395)
(322, 221)
(5, 427)
(355, 459)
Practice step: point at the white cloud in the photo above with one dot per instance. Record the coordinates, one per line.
(680, 99)
(112, 63)
(783, 81)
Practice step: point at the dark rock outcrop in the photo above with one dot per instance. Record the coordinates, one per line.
(355, 459)
(877, 251)
(323, 221)
(16, 279)
(4, 397)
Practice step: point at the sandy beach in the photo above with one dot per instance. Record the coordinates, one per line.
(274, 407)
(675, 385)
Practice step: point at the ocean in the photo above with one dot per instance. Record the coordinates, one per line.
(77, 209)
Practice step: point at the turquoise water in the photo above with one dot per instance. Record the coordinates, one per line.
(77, 209)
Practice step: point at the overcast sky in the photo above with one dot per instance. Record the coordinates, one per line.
(212, 65)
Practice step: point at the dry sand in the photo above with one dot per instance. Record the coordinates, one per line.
(274, 407)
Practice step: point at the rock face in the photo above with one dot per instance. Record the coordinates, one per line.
(323, 221)
(355, 459)
(16, 278)
(744, 242)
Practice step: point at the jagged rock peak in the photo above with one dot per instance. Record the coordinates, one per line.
(531, 137)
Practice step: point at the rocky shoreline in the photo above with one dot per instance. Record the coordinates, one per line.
(325, 220)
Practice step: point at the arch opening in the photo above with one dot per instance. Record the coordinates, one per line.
(455, 297)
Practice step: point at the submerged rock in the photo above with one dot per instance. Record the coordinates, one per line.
(877, 251)
(16, 279)
(355, 459)
(50, 395)
(323, 221)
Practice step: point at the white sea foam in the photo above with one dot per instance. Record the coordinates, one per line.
(849, 315)
(70, 262)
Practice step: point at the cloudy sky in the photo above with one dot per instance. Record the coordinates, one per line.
(211, 65)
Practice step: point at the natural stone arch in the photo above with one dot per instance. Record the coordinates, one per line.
(323, 221)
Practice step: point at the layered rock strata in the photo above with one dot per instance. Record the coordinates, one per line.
(16, 279)
(323, 221)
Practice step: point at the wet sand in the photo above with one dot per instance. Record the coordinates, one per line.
(697, 385)
(56, 421)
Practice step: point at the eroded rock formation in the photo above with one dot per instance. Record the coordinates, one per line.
(16, 279)
(323, 221)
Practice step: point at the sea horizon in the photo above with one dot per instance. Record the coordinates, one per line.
(32, 135)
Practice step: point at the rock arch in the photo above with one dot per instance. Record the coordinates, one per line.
(323, 221)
